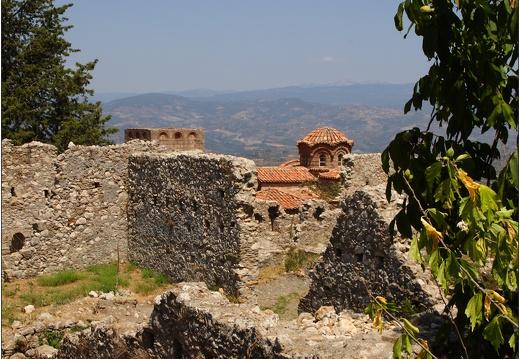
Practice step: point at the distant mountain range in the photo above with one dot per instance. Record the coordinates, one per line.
(264, 125)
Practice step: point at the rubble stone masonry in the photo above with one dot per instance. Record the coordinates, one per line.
(187, 216)
(64, 211)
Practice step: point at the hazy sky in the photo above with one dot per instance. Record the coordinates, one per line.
(174, 45)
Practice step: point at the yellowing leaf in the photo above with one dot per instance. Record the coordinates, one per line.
(471, 185)
(511, 233)
(378, 323)
(423, 353)
(481, 248)
(497, 296)
(487, 307)
(504, 309)
(432, 233)
(381, 299)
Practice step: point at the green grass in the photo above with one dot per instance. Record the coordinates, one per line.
(60, 278)
(68, 285)
(297, 259)
(105, 278)
(54, 338)
(281, 304)
(159, 278)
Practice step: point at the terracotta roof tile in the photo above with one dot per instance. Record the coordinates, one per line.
(291, 163)
(287, 199)
(325, 135)
(296, 174)
(332, 174)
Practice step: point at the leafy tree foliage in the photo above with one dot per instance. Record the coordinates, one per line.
(461, 214)
(42, 100)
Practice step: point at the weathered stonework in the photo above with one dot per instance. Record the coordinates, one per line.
(71, 210)
(180, 139)
(186, 215)
(362, 261)
(363, 170)
(64, 211)
(277, 230)
(190, 321)
(195, 217)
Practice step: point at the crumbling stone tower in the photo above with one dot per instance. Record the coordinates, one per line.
(180, 139)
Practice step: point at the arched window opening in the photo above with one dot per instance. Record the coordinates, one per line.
(340, 159)
(192, 135)
(137, 135)
(163, 136)
(323, 160)
(177, 135)
(17, 242)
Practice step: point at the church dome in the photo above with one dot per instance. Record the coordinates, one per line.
(325, 135)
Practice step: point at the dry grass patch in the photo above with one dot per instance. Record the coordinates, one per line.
(267, 274)
(68, 286)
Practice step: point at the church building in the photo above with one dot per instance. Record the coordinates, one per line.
(321, 155)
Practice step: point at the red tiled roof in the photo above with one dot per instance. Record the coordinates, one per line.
(296, 174)
(332, 174)
(326, 135)
(289, 199)
(294, 162)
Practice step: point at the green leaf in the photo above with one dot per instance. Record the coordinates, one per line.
(452, 265)
(462, 157)
(488, 199)
(403, 224)
(396, 351)
(398, 18)
(493, 333)
(414, 252)
(435, 260)
(444, 193)
(369, 310)
(470, 268)
(433, 174)
(407, 344)
(512, 341)
(385, 160)
(474, 310)
(477, 250)
(513, 168)
(441, 275)
(410, 327)
(438, 217)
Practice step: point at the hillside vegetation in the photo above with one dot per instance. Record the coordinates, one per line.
(265, 125)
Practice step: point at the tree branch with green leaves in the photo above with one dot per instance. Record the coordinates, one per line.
(464, 230)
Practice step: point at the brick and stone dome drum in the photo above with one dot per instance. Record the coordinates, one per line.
(324, 148)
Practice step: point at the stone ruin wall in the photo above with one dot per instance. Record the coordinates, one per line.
(188, 217)
(63, 211)
(70, 211)
(189, 321)
(362, 261)
(191, 216)
(195, 218)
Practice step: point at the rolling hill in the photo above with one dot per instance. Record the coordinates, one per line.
(264, 125)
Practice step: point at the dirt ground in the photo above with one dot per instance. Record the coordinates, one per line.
(283, 294)
(280, 294)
